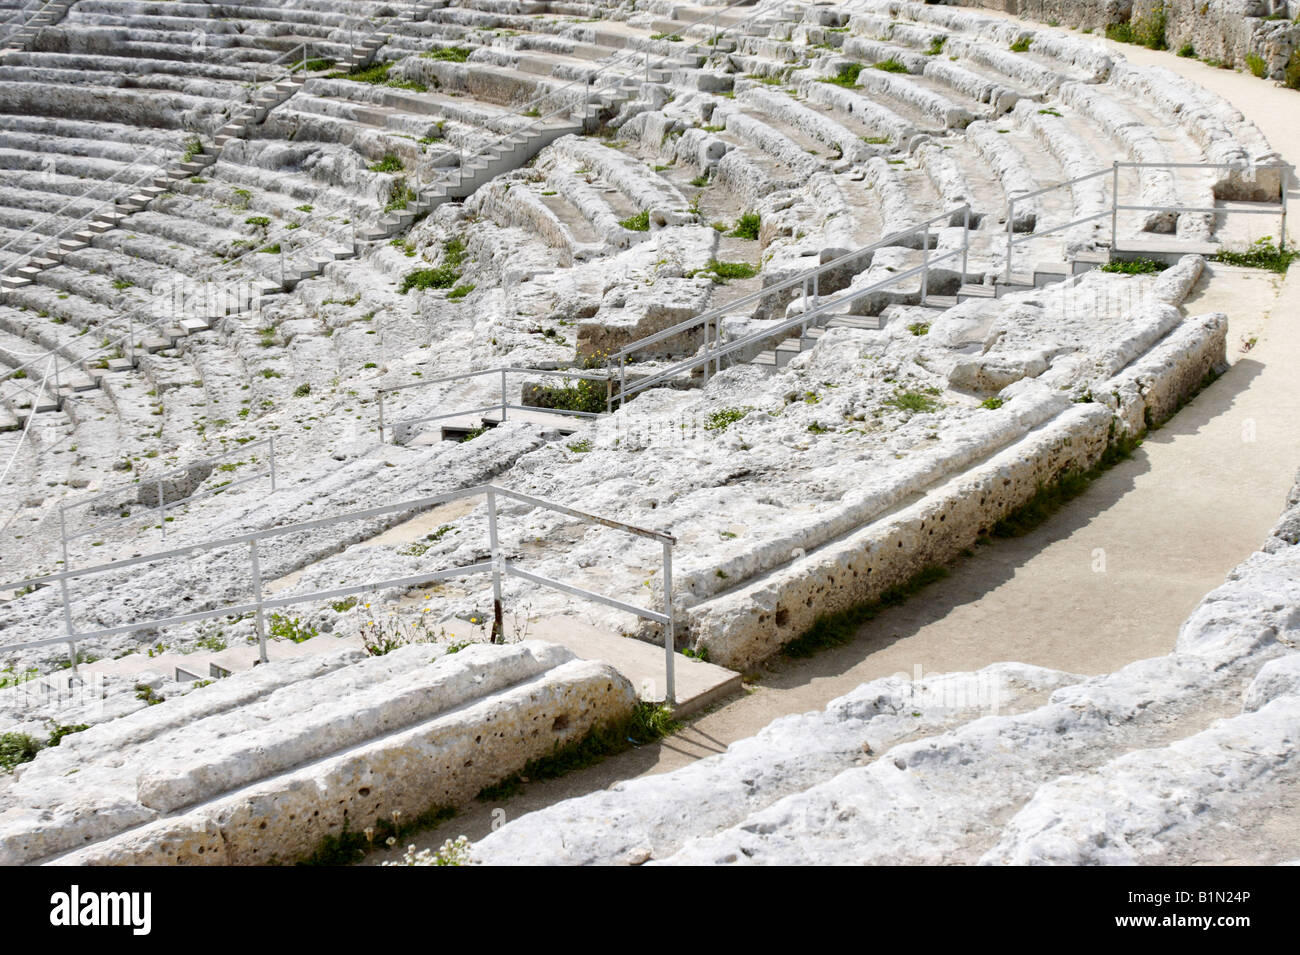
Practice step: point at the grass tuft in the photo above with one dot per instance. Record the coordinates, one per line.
(722, 271)
(442, 277)
(1135, 267)
(637, 223)
(449, 54)
(389, 163)
(721, 419)
(891, 65)
(1263, 254)
(914, 401)
(747, 226)
(1146, 29)
(846, 77)
(16, 749)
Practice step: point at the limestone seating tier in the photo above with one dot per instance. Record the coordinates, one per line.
(581, 231)
(1192, 344)
(435, 469)
(1159, 762)
(160, 784)
(761, 160)
(654, 816)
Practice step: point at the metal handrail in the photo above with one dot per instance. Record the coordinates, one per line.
(1115, 206)
(840, 299)
(85, 218)
(28, 22)
(497, 565)
(503, 405)
(803, 278)
(162, 505)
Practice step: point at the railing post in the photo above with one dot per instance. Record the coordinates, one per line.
(498, 627)
(66, 596)
(1011, 218)
(260, 618)
(965, 243)
(670, 636)
(503, 395)
(925, 262)
(1281, 235)
(63, 534)
(707, 362)
(1114, 205)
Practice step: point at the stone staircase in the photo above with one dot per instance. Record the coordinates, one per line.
(364, 52)
(1043, 275)
(48, 15)
(213, 665)
(191, 164)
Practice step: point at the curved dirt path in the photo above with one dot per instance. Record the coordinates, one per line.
(1107, 580)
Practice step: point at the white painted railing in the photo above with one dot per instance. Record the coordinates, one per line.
(714, 351)
(141, 507)
(496, 565)
(47, 240)
(503, 405)
(1116, 207)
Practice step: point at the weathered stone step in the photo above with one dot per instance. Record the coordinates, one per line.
(698, 684)
(347, 738)
(653, 816)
